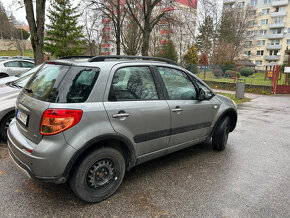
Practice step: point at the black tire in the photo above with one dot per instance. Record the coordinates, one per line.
(104, 165)
(220, 136)
(2, 75)
(4, 124)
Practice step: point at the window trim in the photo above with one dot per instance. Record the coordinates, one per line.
(155, 80)
(164, 86)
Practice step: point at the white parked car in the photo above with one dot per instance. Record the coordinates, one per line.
(14, 67)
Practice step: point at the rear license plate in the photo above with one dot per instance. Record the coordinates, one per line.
(22, 117)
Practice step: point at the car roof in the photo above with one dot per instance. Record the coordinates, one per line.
(18, 59)
(112, 60)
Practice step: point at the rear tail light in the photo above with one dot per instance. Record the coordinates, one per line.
(58, 120)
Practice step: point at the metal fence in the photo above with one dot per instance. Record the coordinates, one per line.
(230, 74)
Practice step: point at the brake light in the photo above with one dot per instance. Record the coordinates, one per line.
(58, 120)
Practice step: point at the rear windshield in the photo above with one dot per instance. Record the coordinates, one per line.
(62, 84)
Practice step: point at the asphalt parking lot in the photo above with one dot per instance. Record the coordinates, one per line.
(249, 179)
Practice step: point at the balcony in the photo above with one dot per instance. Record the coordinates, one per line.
(273, 46)
(272, 57)
(277, 25)
(280, 3)
(275, 36)
(279, 14)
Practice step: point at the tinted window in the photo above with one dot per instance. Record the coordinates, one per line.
(12, 64)
(63, 84)
(27, 64)
(133, 83)
(178, 85)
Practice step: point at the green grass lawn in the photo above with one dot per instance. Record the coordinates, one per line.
(232, 96)
(256, 79)
(16, 53)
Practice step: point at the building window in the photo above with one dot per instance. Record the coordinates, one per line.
(253, 2)
(248, 53)
(250, 33)
(248, 43)
(277, 31)
(288, 30)
(259, 63)
(264, 22)
(252, 13)
(267, 2)
(275, 42)
(278, 20)
(261, 42)
(262, 32)
(288, 41)
(260, 53)
(274, 52)
(251, 23)
(266, 11)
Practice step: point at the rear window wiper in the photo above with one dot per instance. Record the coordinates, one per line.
(28, 90)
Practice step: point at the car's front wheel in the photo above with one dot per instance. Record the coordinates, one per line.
(98, 175)
(220, 136)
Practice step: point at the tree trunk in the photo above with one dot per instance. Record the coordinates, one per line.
(36, 27)
(38, 50)
(145, 43)
(118, 43)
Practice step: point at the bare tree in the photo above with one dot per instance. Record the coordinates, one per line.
(92, 20)
(232, 31)
(116, 11)
(36, 26)
(148, 18)
(131, 37)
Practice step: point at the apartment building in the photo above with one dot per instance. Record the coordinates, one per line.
(182, 11)
(268, 33)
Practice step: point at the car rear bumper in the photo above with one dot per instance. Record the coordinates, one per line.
(48, 159)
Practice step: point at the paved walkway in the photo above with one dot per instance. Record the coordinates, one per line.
(248, 95)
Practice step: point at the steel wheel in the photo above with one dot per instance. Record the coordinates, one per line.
(101, 174)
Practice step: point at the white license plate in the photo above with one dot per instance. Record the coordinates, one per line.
(22, 117)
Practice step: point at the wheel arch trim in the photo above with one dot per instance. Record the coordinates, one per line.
(226, 112)
(92, 143)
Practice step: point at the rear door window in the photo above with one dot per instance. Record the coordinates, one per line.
(12, 64)
(62, 84)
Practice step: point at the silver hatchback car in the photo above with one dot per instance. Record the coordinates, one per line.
(88, 122)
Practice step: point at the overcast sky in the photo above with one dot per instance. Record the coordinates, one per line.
(19, 12)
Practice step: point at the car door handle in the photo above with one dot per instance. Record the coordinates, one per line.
(121, 115)
(177, 109)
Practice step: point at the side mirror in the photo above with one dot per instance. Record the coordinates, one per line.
(202, 94)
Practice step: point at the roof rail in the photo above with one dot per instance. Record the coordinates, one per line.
(104, 57)
(76, 56)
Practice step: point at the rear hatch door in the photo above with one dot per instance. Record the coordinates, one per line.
(35, 98)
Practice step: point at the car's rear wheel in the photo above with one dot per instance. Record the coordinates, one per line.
(220, 136)
(98, 175)
(4, 125)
